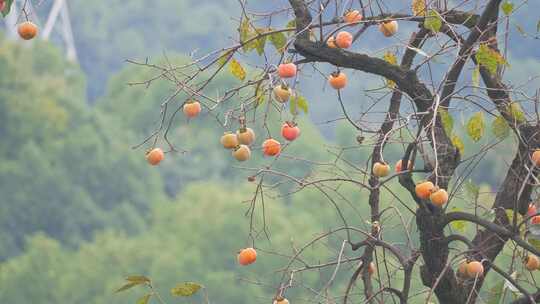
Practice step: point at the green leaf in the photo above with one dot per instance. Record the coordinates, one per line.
(516, 112)
(224, 57)
(298, 101)
(186, 289)
(278, 40)
(259, 94)
(138, 279)
(447, 121)
(495, 293)
(128, 286)
(260, 44)
(456, 141)
(433, 21)
(7, 8)
(475, 126)
(144, 299)
(244, 30)
(293, 106)
(458, 225)
(500, 128)
(489, 58)
(472, 191)
(237, 70)
(538, 26)
(291, 24)
(507, 7)
(303, 104)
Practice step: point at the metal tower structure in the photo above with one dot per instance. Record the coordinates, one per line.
(57, 19)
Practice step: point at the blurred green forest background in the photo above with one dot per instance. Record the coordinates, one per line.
(80, 209)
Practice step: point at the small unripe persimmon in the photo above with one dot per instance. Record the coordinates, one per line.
(399, 166)
(474, 269)
(344, 40)
(532, 210)
(247, 256)
(282, 93)
(423, 190)
(242, 153)
(337, 80)
(229, 140)
(536, 157)
(281, 301)
(246, 136)
(389, 28)
(381, 169)
(27, 30)
(535, 220)
(290, 131)
(353, 16)
(271, 147)
(439, 197)
(192, 108)
(371, 268)
(287, 70)
(331, 42)
(155, 156)
(532, 262)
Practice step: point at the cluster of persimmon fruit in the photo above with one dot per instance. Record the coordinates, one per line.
(531, 261)
(344, 40)
(473, 269)
(240, 141)
(423, 190)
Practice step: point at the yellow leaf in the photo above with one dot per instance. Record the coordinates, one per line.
(489, 58)
(456, 141)
(186, 289)
(237, 70)
(419, 7)
(392, 59)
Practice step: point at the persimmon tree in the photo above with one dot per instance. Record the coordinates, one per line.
(304, 35)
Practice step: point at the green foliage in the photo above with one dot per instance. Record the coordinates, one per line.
(507, 7)
(460, 226)
(60, 162)
(489, 58)
(279, 41)
(433, 21)
(186, 289)
(476, 126)
(456, 141)
(500, 128)
(516, 112)
(108, 32)
(447, 121)
(298, 101)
